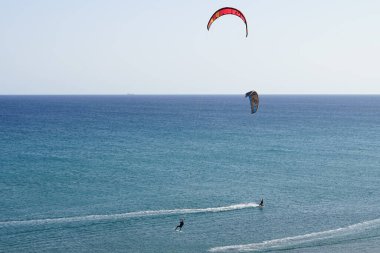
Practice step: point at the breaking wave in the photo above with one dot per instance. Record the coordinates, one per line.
(294, 241)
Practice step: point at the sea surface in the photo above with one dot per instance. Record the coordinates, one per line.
(116, 173)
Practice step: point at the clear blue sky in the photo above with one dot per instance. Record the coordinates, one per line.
(163, 47)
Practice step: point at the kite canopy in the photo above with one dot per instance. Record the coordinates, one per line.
(228, 11)
(254, 100)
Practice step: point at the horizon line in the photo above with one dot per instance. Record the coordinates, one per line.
(193, 94)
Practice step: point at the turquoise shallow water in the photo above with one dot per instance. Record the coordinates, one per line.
(116, 173)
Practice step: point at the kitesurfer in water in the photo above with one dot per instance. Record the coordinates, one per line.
(261, 202)
(181, 223)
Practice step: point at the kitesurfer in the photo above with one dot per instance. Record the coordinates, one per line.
(181, 223)
(261, 202)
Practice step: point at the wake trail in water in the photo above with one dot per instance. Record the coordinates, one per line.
(289, 242)
(121, 216)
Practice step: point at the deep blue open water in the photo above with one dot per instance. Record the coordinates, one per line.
(116, 173)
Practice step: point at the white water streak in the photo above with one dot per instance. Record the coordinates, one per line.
(297, 240)
(121, 216)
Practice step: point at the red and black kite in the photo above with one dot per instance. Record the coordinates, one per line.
(228, 11)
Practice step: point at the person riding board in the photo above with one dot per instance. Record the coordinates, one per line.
(181, 223)
(261, 202)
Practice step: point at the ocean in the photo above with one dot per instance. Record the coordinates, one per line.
(116, 173)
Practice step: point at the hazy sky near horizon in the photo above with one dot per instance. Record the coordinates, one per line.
(163, 47)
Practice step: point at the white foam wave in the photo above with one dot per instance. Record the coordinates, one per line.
(121, 216)
(301, 239)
